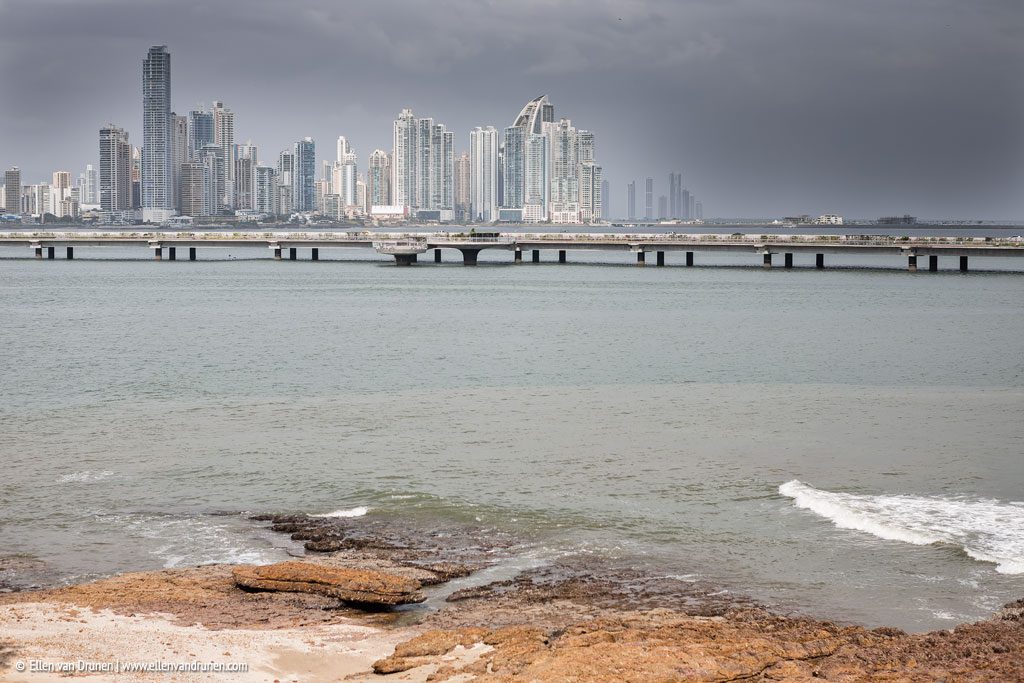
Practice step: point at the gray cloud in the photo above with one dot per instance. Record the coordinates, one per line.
(862, 107)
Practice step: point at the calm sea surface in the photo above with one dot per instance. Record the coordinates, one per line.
(846, 443)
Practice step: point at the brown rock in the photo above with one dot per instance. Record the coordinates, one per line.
(439, 642)
(350, 585)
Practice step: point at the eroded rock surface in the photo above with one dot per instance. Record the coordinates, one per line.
(351, 585)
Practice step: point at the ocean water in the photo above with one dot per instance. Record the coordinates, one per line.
(844, 443)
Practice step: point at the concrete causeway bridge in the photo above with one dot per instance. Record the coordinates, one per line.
(406, 247)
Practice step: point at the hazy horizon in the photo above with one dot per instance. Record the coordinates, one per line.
(862, 109)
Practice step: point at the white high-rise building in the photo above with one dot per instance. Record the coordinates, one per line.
(403, 160)
(526, 177)
(265, 190)
(483, 174)
(423, 166)
(89, 184)
(463, 175)
(224, 136)
(563, 168)
(245, 176)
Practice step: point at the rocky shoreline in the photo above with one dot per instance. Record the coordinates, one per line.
(373, 600)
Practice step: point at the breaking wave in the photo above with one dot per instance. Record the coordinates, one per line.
(351, 512)
(987, 530)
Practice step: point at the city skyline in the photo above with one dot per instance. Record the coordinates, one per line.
(888, 121)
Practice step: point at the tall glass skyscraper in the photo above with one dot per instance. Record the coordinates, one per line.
(157, 176)
(305, 175)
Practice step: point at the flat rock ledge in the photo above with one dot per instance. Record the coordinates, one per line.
(359, 586)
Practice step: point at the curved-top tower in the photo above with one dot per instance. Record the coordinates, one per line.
(535, 113)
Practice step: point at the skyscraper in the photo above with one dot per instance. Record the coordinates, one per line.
(265, 200)
(115, 169)
(525, 182)
(379, 179)
(483, 174)
(214, 178)
(423, 166)
(245, 176)
(157, 178)
(200, 132)
(304, 194)
(193, 183)
(649, 199)
(90, 186)
(514, 168)
(605, 200)
(631, 200)
(591, 192)
(12, 190)
(179, 154)
(346, 174)
(463, 182)
(403, 161)
(564, 159)
(224, 135)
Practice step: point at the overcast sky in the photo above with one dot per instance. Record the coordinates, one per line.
(768, 107)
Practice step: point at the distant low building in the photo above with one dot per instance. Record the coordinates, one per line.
(905, 219)
(828, 219)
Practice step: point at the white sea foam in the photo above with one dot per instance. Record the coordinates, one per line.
(987, 530)
(194, 540)
(351, 512)
(85, 476)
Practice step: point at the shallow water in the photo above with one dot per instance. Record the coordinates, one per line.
(648, 415)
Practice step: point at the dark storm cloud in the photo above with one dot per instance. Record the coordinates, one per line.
(861, 107)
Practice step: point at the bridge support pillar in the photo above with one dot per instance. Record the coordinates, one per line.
(415, 258)
(293, 253)
(172, 253)
(315, 254)
(933, 262)
(561, 255)
(963, 264)
(51, 252)
(191, 253)
(689, 258)
(437, 256)
(518, 255)
(912, 263)
(158, 253)
(767, 260)
(661, 258)
(788, 260)
(819, 261)
(405, 259)
(641, 258)
(536, 255)
(469, 256)
(70, 253)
